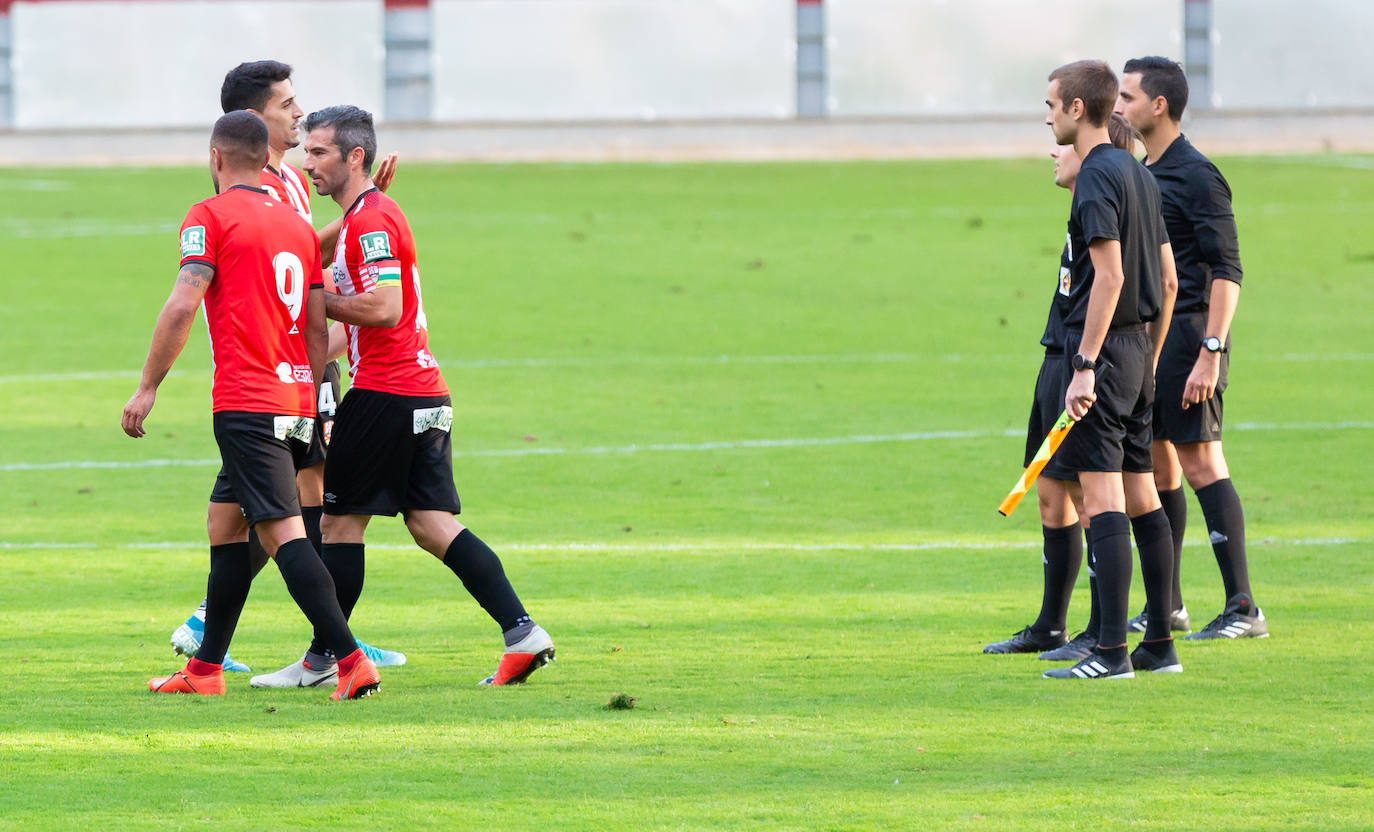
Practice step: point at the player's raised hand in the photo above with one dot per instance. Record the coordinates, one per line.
(386, 172)
(1202, 381)
(140, 404)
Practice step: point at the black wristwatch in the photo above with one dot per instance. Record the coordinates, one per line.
(1082, 362)
(1212, 344)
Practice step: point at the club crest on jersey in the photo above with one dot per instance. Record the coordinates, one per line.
(1065, 281)
(376, 246)
(193, 241)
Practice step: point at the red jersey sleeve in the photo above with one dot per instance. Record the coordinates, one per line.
(378, 248)
(200, 236)
(313, 267)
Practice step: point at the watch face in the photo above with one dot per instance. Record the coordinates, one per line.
(1212, 343)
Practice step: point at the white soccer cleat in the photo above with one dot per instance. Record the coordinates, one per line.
(297, 675)
(522, 658)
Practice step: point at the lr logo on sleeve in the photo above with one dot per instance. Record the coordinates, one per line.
(376, 247)
(193, 241)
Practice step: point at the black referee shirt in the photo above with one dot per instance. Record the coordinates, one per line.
(1202, 227)
(1114, 199)
(1056, 334)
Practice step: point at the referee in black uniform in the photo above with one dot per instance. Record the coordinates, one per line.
(1116, 303)
(1192, 371)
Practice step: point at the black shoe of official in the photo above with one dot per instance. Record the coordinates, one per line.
(1156, 657)
(1178, 622)
(1079, 647)
(1240, 619)
(1100, 664)
(1029, 641)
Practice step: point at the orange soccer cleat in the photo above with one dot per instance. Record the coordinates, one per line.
(209, 684)
(522, 658)
(359, 680)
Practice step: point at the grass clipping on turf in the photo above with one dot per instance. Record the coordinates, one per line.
(620, 702)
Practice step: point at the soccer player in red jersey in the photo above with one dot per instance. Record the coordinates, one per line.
(249, 259)
(264, 88)
(391, 451)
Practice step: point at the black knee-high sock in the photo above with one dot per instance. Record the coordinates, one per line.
(1226, 526)
(1175, 503)
(310, 515)
(257, 556)
(1095, 598)
(480, 570)
(1111, 542)
(1154, 541)
(345, 564)
(313, 591)
(1063, 556)
(225, 593)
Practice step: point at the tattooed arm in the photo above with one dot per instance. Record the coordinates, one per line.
(169, 337)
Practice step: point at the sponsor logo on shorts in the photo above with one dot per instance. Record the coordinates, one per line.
(193, 241)
(432, 418)
(301, 428)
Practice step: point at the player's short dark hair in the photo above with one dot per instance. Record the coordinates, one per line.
(352, 128)
(1121, 133)
(241, 139)
(1161, 76)
(1093, 82)
(249, 85)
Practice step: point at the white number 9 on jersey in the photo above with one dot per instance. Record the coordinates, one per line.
(290, 281)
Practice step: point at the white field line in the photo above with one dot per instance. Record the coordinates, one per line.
(697, 547)
(676, 360)
(632, 548)
(667, 447)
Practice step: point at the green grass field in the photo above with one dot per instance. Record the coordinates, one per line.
(738, 433)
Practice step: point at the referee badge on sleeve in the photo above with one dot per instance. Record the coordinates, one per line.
(429, 418)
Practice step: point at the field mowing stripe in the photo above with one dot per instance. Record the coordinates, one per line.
(679, 360)
(696, 547)
(664, 447)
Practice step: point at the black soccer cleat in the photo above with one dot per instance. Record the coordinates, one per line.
(1029, 641)
(1178, 622)
(1097, 665)
(1079, 647)
(1156, 657)
(1240, 619)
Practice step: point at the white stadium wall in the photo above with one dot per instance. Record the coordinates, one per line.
(979, 57)
(1277, 54)
(576, 60)
(160, 64)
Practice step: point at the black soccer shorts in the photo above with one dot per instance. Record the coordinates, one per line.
(390, 454)
(325, 408)
(1115, 435)
(260, 453)
(1200, 422)
(1046, 406)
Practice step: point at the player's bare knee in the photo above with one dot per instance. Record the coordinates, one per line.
(1056, 508)
(1203, 463)
(343, 528)
(433, 531)
(224, 523)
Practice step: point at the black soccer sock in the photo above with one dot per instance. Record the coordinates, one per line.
(345, 564)
(1226, 527)
(477, 566)
(257, 556)
(1094, 594)
(1111, 542)
(1154, 541)
(225, 593)
(1062, 558)
(313, 591)
(1175, 503)
(310, 515)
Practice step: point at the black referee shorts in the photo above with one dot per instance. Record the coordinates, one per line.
(1115, 435)
(1200, 422)
(1046, 406)
(260, 453)
(389, 454)
(326, 406)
